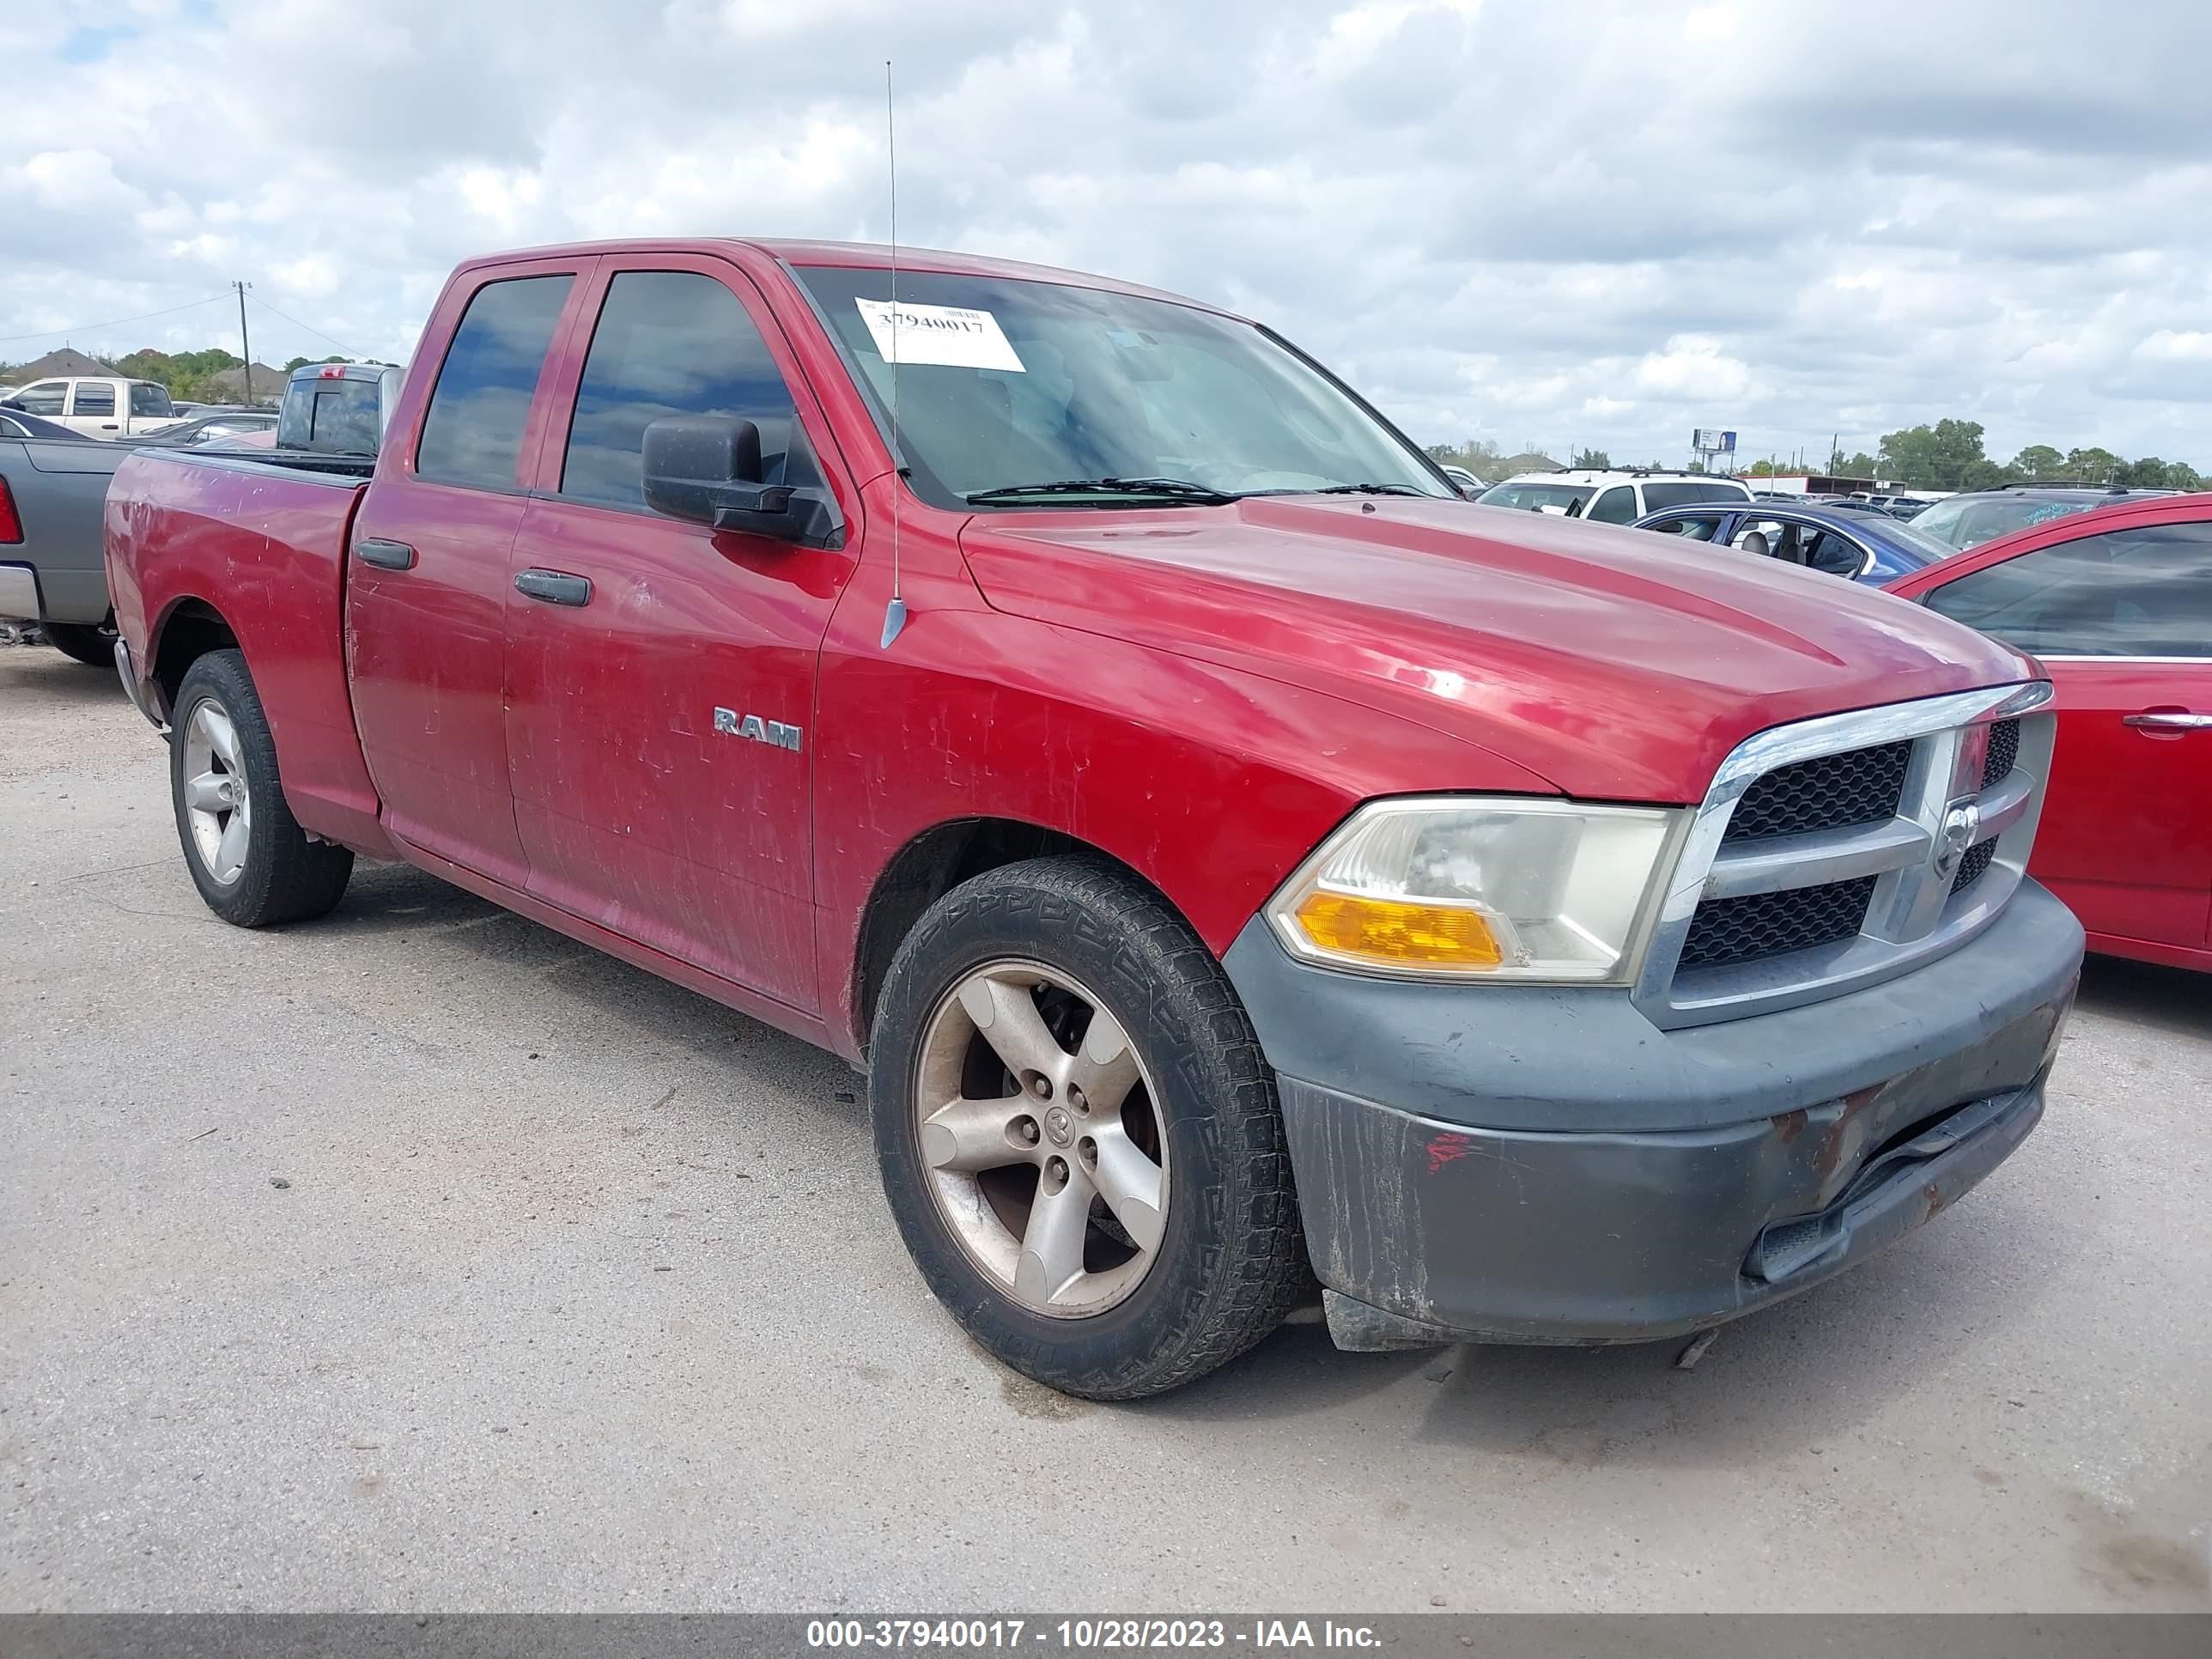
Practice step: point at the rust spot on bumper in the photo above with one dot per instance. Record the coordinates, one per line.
(1790, 1124)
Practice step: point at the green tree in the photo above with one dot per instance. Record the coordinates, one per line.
(1858, 466)
(1596, 461)
(1936, 457)
(2038, 461)
(2093, 466)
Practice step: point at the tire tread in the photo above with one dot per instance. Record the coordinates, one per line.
(287, 878)
(1255, 1272)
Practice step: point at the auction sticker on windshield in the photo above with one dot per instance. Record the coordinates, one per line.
(951, 336)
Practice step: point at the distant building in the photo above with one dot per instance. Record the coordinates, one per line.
(1806, 484)
(66, 364)
(268, 383)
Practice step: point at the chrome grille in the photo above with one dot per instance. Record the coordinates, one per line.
(1759, 924)
(1832, 792)
(1838, 852)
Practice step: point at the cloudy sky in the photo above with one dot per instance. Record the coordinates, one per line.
(1556, 223)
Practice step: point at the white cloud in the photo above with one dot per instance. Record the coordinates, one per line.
(1597, 224)
(1693, 368)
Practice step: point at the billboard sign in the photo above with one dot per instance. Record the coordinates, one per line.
(1711, 440)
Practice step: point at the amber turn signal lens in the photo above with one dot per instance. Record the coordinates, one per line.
(1393, 931)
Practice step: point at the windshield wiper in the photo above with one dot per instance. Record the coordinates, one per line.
(1173, 489)
(1368, 490)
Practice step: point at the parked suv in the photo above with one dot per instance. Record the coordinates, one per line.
(1610, 497)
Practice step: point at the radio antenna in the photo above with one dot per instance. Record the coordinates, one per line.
(894, 612)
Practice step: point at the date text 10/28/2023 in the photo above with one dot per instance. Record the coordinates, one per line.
(1086, 1635)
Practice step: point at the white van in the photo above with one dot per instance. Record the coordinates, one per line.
(100, 406)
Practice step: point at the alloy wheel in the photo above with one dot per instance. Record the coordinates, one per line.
(1040, 1138)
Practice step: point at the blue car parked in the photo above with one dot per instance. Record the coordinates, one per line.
(1863, 546)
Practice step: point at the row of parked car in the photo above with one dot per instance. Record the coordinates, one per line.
(2112, 588)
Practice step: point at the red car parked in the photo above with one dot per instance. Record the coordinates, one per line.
(2118, 602)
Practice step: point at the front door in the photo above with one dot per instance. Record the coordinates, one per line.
(661, 674)
(2124, 623)
(427, 581)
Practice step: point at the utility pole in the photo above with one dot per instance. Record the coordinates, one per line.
(245, 345)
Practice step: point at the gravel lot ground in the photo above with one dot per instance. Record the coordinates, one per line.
(420, 1258)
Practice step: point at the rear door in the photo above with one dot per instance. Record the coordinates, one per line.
(92, 409)
(661, 674)
(2122, 620)
(426, 575)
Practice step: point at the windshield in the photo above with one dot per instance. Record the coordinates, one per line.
(1967, 521)
(1003, 383)
(1532, 497)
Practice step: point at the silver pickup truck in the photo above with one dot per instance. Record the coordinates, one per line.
(53, 491)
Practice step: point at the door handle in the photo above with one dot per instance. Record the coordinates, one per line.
(554, 586)
(108, 426)
(2167, 719)
(386, 556)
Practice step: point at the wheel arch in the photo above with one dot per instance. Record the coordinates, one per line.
(189, 628)
(930, 863)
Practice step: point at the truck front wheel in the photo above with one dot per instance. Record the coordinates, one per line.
(251, 860)
(1078, 1134)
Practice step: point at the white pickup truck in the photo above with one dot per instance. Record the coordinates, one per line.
(108, 406)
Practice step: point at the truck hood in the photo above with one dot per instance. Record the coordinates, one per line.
(1617, 664)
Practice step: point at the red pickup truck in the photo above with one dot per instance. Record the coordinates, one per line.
(1235, 859)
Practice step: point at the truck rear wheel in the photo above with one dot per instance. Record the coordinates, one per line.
(1078, 1134)
(81, 642)
(251, 860)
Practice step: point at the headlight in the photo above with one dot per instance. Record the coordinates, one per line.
(1467, 888)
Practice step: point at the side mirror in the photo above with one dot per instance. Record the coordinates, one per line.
(707, 469)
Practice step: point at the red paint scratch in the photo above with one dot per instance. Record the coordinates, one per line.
(1447, 1149)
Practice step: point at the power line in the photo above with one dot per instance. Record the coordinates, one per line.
(296, 322)
(88, 328)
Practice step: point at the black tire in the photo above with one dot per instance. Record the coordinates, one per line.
(81, 642)
(285, 876)
(1231, 1260)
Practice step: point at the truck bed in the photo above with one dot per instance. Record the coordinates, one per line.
(254, 543)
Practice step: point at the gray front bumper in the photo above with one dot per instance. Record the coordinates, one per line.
(1545, 1166)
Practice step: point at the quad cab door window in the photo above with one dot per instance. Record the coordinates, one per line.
(646, 651)
(2123, 621)
(673, 342)
(44, 398)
